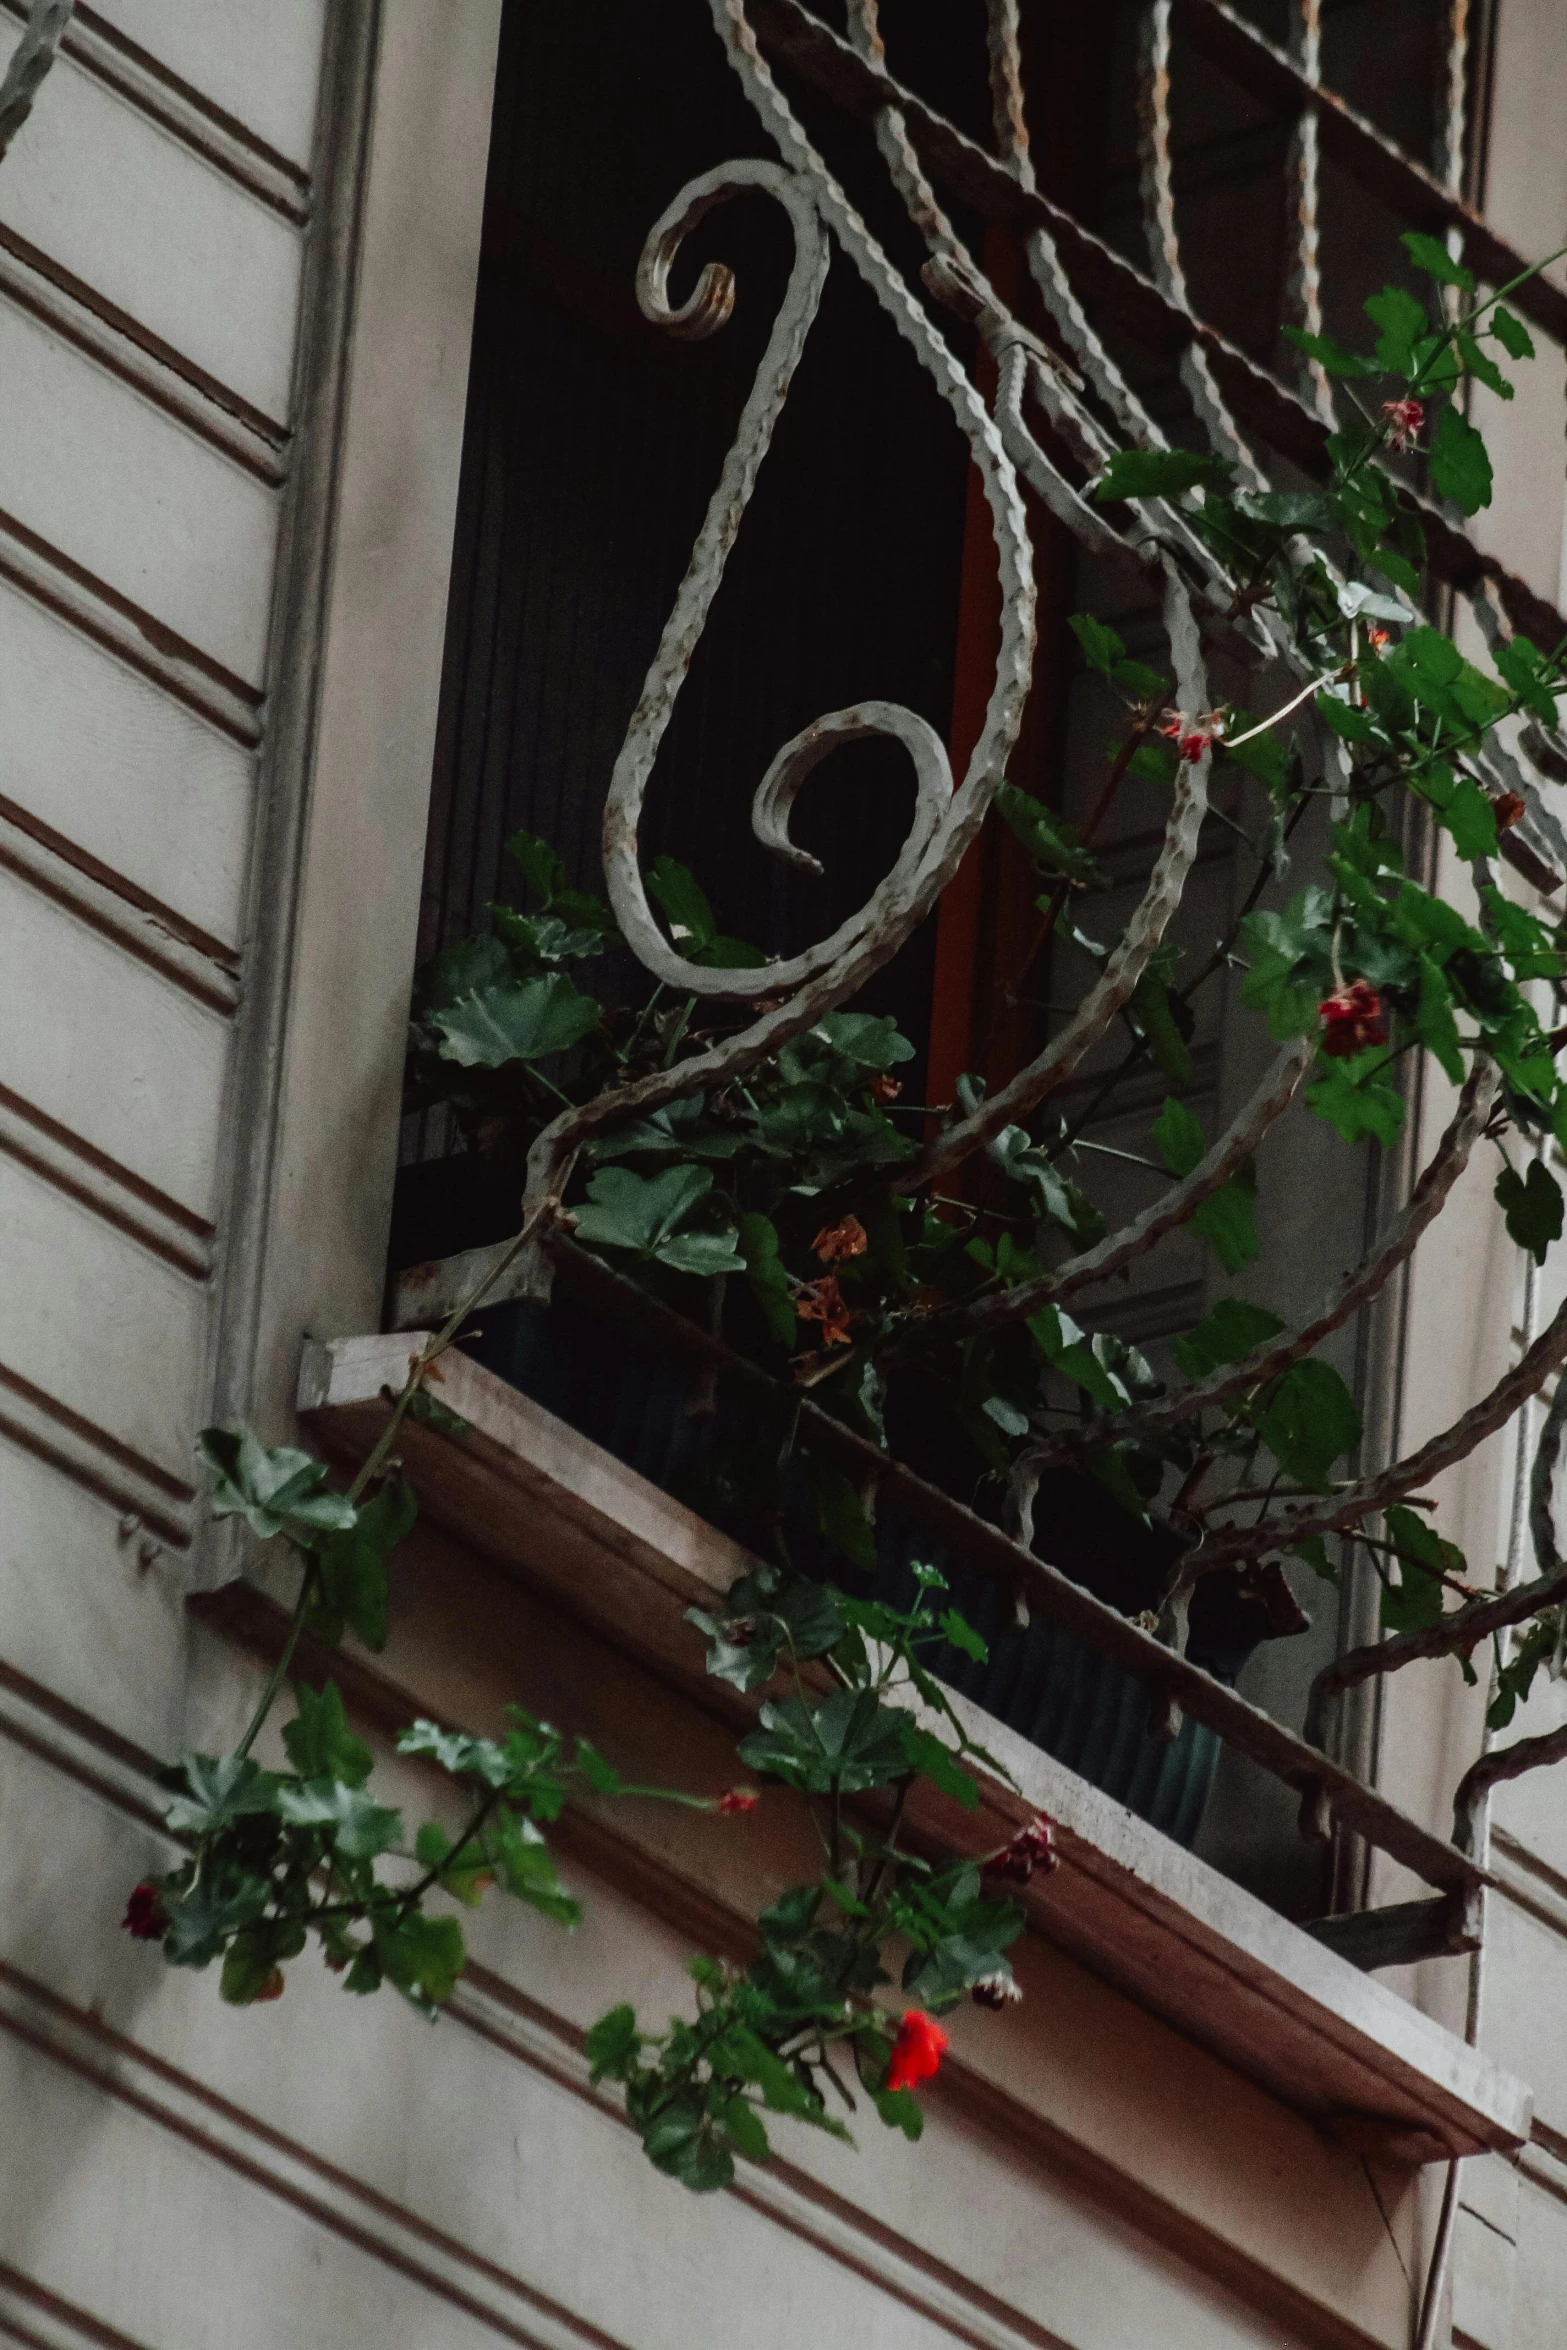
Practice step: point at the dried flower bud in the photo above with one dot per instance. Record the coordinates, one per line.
(995, 1991)
(1352, 1018)
(1404, 418)
(1031, 1848)
(145, 1919)
(1508, 807)
(837, 1242)
(822, 1301)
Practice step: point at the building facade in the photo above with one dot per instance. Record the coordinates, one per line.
(341, 498)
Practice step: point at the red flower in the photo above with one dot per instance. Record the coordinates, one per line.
(1192, 736)
(1507, 807)
(916, 2052)
(145, 1916)
(885, 1088)
(1376, 638)
(835, 1242)
(822, 1301)
(1352, 1018)
(1033, 1847)
(1404, 417)
(738, 1799)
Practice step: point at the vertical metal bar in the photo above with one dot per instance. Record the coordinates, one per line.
(1164, 250)
(1303, 292)
(1452, 139)
(1004, 42)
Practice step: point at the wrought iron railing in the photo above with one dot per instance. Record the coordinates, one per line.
(1059, 409)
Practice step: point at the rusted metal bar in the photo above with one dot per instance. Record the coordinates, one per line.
(1303, 294)
(1277, 81)
(777, 1405)
(1103, 278)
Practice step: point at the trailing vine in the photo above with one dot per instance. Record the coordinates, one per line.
(736, 1139)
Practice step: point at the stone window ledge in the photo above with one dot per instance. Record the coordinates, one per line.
(605, 1546)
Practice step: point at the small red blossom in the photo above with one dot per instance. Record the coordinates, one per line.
(1352, 1018)
(917, 2051)
(822, 1301)
(145, 1917)
(1033, 1847)
(836, 1242)
(1507, 808)
(995, 1991)
(1193, 736)
(1404, 419)
(885, 1088)
(738, 1799)
(1377, 638)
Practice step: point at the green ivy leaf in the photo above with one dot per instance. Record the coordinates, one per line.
(1403, 323)
(319, 1743)
(1429, 254)
(649, 1215)
(524, 1022)
(275, 1489)
(692, 926)
(1157, 473)
(900, 2110)
(1330, 354)
(1434, 1022)
(1460, 466)
(1178, 1134)
(840, 1514)
(422, 1956)
(937, 1762)
(1307, 1419)
(360, 1828)
(1227, 1333)
(960, 1634)
(1532, 1204)
(1356, 1106)
(1512, 334)
(1049, 839)
(213, 1791)
(1101, 647)
(611, 2044)
(352, 1567)
(251, 1962)
(768, 1280)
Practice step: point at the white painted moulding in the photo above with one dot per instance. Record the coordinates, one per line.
(616, 1552)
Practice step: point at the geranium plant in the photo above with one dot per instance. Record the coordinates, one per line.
(735, 1139)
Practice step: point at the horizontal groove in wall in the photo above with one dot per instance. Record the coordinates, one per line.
(86, 1751)
(781, 2193)
(142, 359)
(95, 1460)
(67, 588)
(837, 2226)
(109, 903)
(39, 2320)
(1531, 1883)
(333, 2198)
(96, 1181)
(218, 138)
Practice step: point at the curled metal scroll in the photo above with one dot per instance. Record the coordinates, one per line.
(947, 819)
